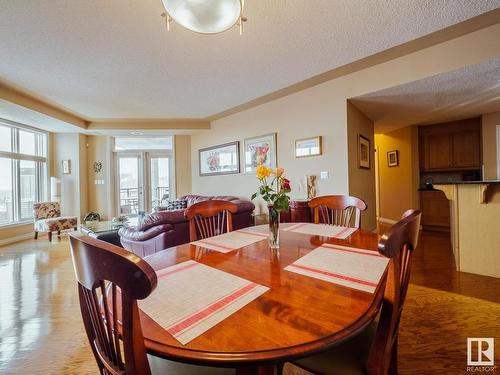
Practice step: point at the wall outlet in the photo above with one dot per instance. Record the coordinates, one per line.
(324, 175)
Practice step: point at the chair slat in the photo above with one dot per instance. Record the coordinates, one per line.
(338, 210)
(210, 218)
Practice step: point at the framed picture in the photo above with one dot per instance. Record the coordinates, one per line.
(308, 147)
(221, 159)
(260, 151)
(393, 158)
(66, 166)
(363, 152)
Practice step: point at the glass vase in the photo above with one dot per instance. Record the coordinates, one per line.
(274, 228)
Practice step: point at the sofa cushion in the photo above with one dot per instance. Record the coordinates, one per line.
(178, 204)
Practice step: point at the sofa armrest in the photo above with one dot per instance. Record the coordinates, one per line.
(133, 234)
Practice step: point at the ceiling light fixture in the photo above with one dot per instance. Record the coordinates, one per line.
(205, 16)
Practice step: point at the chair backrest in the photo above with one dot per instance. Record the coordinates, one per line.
(210, 218)
(338, 210)
(45, 210)
(102, 268)
(398, 244)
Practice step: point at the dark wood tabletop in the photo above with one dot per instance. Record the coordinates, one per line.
(299, 315)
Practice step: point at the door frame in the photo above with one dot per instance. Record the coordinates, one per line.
(144, 175)
(498, 152)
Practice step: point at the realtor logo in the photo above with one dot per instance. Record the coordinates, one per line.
(480, 351)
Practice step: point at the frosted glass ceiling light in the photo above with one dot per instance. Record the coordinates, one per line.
(205, 16)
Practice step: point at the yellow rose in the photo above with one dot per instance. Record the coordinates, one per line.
(262, 172)
(279, 172)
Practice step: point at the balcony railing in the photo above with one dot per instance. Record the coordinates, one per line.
(129, 199)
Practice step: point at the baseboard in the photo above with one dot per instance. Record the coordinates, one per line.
(386, 221)
(21, 237)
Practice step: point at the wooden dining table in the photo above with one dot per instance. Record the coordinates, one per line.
(296, 317)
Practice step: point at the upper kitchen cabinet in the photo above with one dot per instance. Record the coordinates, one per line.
(452, 145)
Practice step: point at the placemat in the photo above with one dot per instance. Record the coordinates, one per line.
(321, 230)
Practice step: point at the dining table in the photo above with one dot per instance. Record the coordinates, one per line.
(297, 316)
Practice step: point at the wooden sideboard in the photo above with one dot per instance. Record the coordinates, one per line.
(299, 212)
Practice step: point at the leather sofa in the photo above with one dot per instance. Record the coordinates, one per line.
(163, 229)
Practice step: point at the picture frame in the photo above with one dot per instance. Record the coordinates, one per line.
(393, 158)
(308, 147)
(66, 166)
(219, 160)
(260, 150)
(363, 152)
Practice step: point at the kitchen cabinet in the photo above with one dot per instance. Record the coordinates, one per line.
(435, 210)
(450, 146)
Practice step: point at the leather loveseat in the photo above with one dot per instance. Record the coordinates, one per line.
(166, 228)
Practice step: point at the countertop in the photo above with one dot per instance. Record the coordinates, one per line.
(468, 182)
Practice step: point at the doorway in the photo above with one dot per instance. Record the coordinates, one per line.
(144, 179)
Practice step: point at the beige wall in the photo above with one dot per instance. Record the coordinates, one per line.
(490, 122)
(312, 112)
(361, 181)
(321, 110)
(398, 186)
(71, 147)
(100, 196)
(182, 165)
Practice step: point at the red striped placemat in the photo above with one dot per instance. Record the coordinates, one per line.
(321, 230)
(230, 241)
(352, 267)
(191, 298)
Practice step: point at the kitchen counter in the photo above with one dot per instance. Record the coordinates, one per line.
(468, 182)
(474, 225)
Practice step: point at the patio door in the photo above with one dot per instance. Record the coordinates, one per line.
(145, 180)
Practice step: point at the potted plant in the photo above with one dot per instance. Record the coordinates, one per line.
(274, 189)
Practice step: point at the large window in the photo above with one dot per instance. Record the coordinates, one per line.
(23, 171)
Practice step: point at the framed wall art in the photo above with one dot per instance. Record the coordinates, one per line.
(219, 160)
(393, 158)
(308, 147)
(363, 152)
(260, 150)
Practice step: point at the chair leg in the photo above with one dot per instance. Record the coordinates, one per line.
(50, 236)
(279, 368)
(393, 366)
(58, 232)
(36, 235)
(75, 228)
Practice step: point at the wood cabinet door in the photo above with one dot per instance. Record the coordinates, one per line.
(438, 151)
(466, 150)
(435, 209)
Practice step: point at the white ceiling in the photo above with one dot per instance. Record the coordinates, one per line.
(462, 93)
(115, 59)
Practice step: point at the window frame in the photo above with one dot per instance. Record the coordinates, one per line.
(41, 140)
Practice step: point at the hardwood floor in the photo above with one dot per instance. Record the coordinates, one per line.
(41, 330)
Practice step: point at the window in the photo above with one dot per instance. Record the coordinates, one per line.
(23, 171)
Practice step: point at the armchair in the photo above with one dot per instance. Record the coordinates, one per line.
(48, 219)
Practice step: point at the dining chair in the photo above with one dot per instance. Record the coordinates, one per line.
(110, 281)
(338, 210)
(374, 350)
(210, 218)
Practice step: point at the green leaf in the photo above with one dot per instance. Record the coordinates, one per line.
(254, 195)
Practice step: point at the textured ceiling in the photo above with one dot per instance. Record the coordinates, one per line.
(115, 59)
(462, 93)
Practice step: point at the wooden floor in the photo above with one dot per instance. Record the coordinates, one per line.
(41, 331)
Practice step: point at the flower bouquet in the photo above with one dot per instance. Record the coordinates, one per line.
(274, 189)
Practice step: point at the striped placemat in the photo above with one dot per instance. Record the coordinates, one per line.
(191, 298)
(230, 241)
(321, 230)
(352, 267)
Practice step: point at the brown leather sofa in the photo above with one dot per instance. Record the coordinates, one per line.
(163, 229)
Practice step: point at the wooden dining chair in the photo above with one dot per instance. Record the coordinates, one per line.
(210, 218)
(110, 281)
(340, 210)
(374, 350)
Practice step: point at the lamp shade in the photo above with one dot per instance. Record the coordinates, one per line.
(204, 16)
